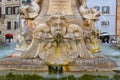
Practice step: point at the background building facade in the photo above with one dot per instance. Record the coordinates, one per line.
(8, 17)
(107, 20)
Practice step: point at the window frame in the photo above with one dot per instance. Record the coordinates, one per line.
(8, 25)
(105, 9)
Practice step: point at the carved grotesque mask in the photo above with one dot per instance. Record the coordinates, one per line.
(58, 25)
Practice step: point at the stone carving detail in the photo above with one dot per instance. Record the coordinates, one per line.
(30, 10)
(90, 15)
(25, 34)
(27, 12)
(57, 42)
(91, 40)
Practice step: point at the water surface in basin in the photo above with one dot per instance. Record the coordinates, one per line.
(5, 50)
(111, 52)
(46, 74)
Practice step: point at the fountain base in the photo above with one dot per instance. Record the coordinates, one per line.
(16, 63)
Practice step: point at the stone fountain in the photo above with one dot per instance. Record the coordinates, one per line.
(60, 35)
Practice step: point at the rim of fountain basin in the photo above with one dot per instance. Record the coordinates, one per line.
(46, 74)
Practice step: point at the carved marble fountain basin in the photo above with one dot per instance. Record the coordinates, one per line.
(105, 49)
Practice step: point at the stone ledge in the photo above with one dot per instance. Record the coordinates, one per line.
(101, 64)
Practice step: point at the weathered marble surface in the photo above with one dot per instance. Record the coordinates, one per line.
(96, 64)
(22, 64)
(58, 33)
(74, 15)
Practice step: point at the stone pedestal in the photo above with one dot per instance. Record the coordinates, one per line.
(69, 8)
(96, 64)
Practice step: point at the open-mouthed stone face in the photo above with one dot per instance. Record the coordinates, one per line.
(60, 41)
(58, 28)
(58, 25)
